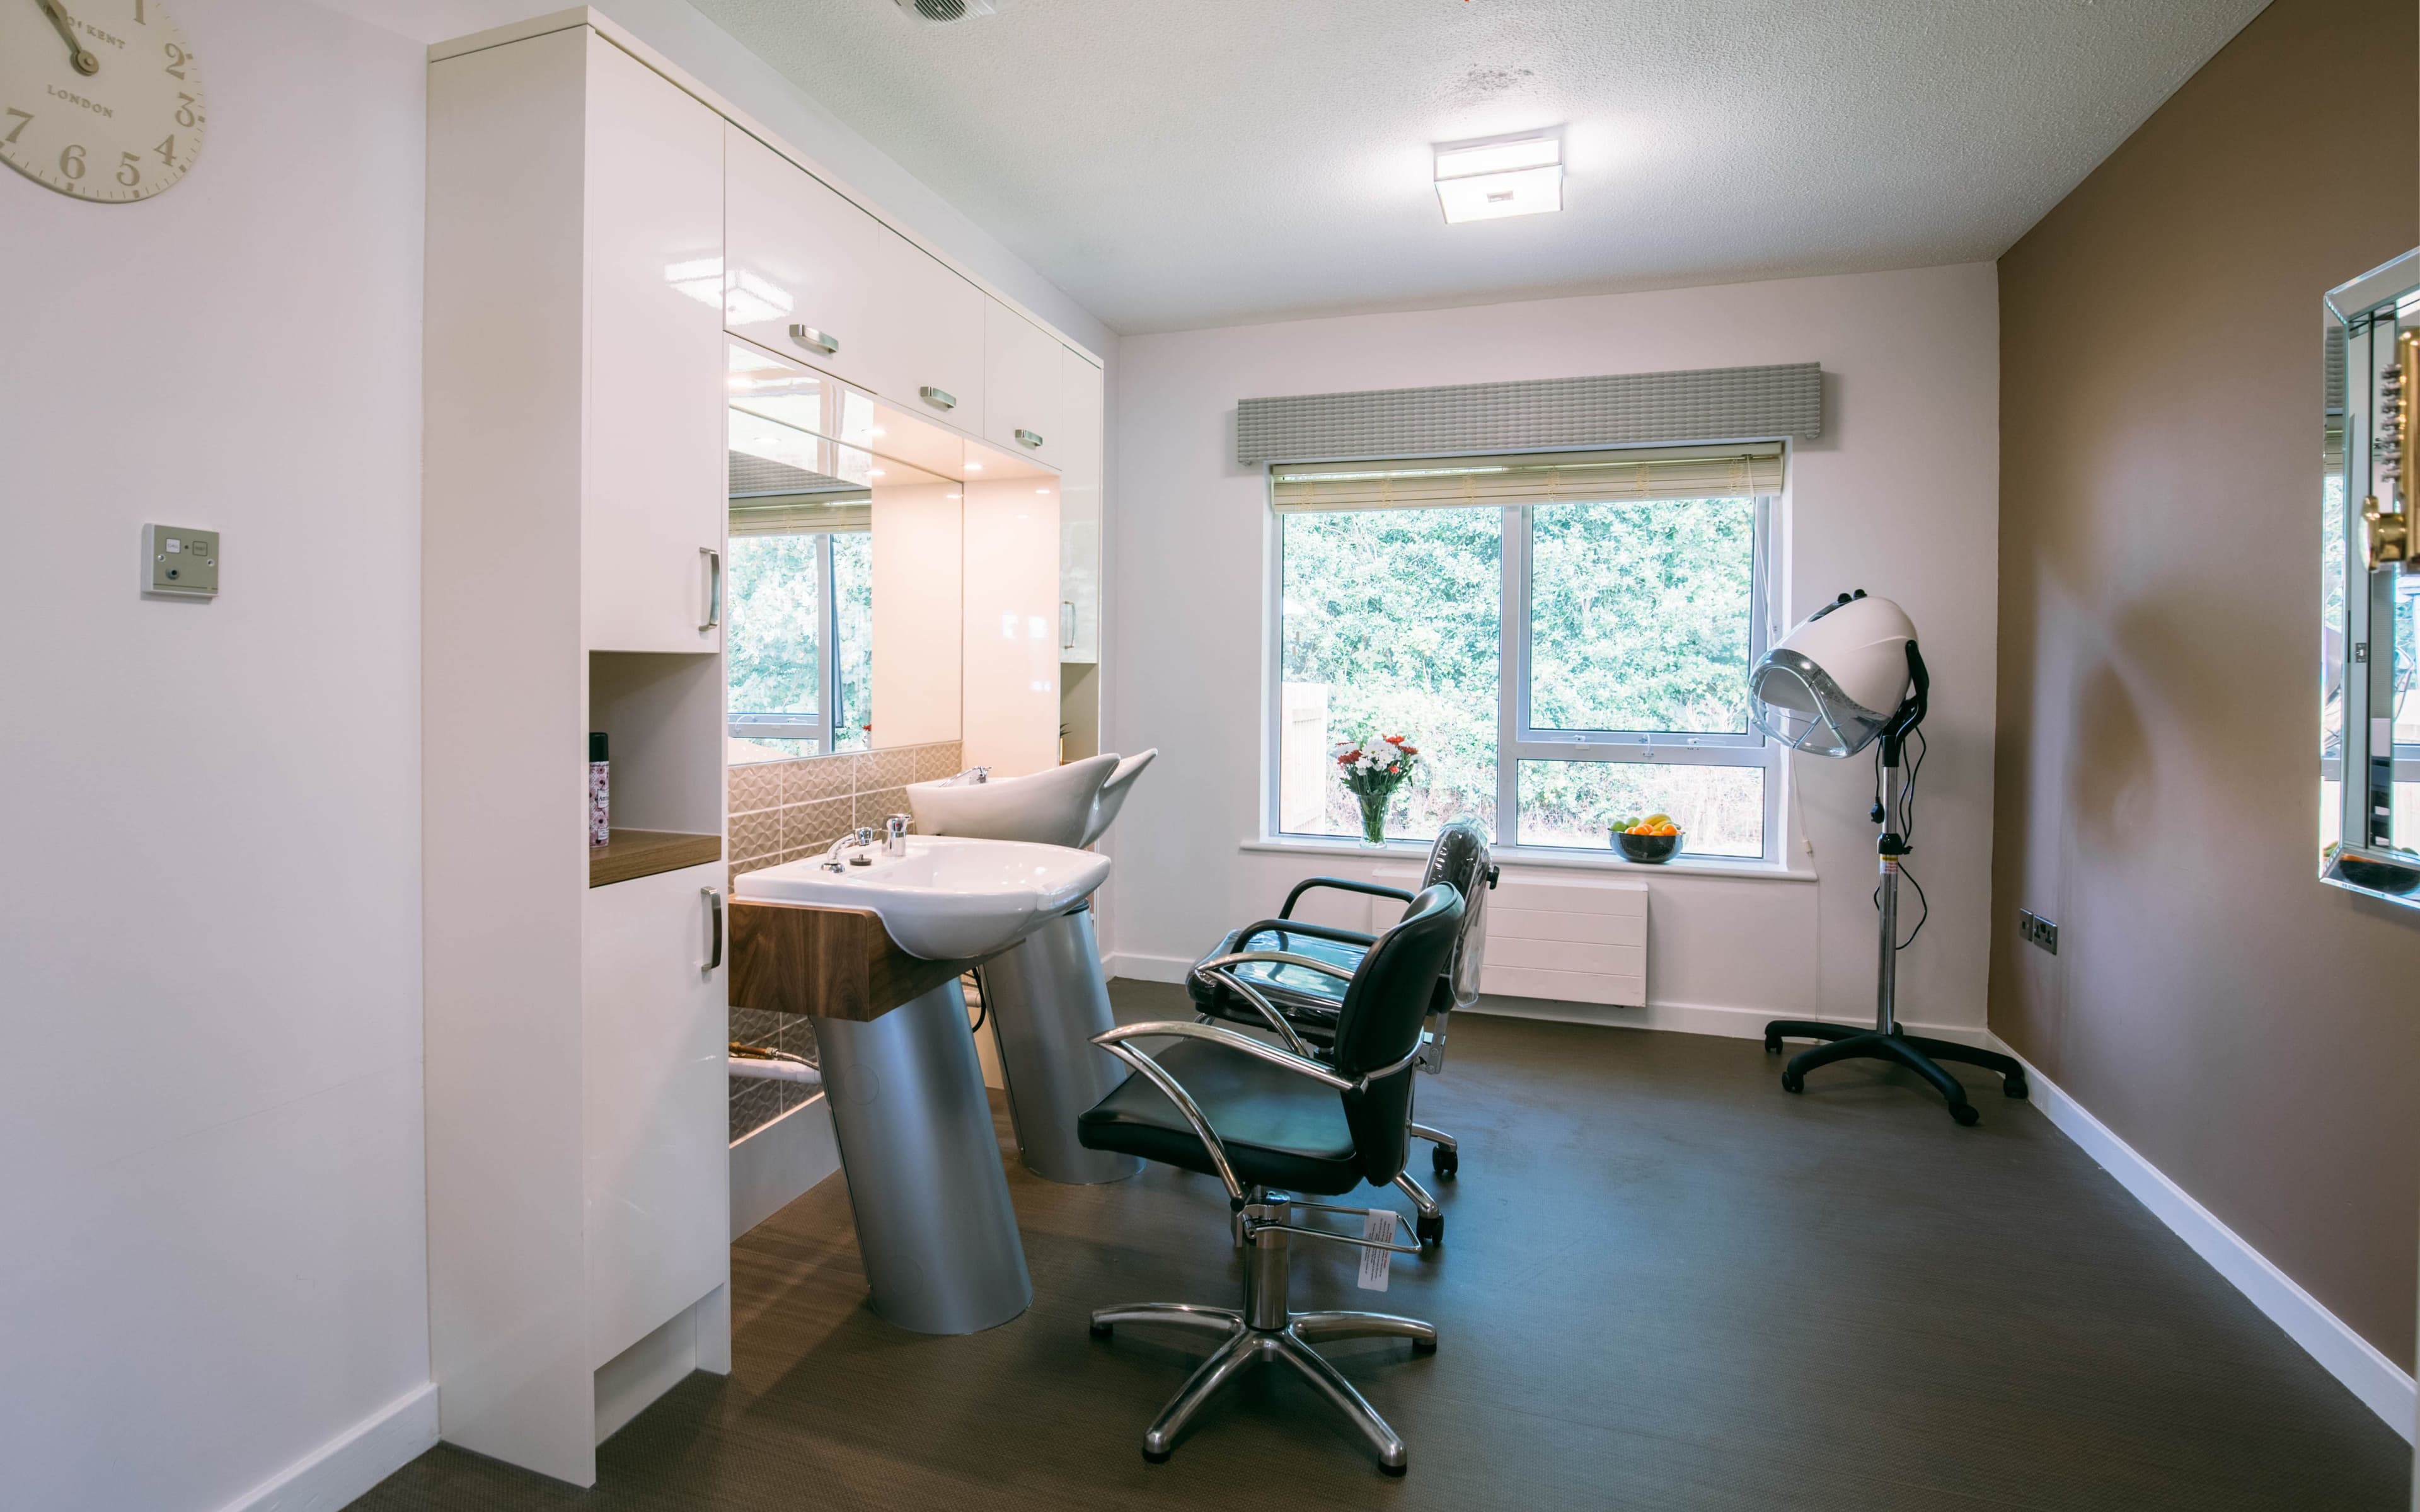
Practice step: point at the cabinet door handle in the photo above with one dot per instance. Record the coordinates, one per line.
(713, 587)
(822, 341)
(938, 398)
(1066, 624)
(1031, 437)
(713, 897)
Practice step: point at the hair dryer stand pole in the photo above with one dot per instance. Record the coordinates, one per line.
(1884, 1040)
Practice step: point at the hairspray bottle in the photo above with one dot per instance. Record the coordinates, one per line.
(599, 796)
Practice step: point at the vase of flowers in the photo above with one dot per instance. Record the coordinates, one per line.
(1373, 770)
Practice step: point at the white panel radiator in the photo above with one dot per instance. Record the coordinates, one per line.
(1571, 939)
(1576, 940)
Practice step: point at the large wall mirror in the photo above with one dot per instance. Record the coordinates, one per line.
(843, 571)
(2369, 717)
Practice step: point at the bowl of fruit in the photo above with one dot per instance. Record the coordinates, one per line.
(1652, 839)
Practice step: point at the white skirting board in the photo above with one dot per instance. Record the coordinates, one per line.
(2379, 1381)
(774, 1165)
(348, 1465)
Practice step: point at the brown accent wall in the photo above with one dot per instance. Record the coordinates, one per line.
(2253, 1034)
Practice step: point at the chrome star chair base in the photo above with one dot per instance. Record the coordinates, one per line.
(1266, 1331)
(1268, 1119)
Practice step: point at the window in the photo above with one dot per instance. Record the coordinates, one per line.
(1566, 638)
(798, 630)
(793, 597)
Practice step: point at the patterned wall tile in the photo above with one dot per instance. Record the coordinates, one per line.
(818, 777)
(812, 826)
(753, 1105)
(885, 769)
(755, 834)
(874, 807)
(935, 761)
(741, 868)
(752, 1026)
(757, 785)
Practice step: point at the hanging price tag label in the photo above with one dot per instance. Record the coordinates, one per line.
(1378, 1227)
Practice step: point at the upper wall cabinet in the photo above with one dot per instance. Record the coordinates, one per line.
(1023, 409)
(808, 274)
(1082, 464)
(651, 577)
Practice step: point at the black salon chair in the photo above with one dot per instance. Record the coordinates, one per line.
(1267, 1122)
(1283, 973)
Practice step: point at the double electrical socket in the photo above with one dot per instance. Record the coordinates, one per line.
(2037, 930)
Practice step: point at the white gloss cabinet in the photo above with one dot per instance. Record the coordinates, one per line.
(1080, 509)
(811, 275)
(1022, 403)
(573, 492)
(652, 535)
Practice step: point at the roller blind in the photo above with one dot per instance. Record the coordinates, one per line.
(770, 498)
(800, 515)
(1530, 478)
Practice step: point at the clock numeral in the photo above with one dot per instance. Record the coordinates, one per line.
(23, 117)
(167, 150)
(185, 112)
(130, 169)
(177, 58)
(71, 161)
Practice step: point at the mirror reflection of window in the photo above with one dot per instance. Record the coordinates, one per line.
(799, 631)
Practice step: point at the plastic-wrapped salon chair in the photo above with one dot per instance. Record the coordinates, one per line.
(1291, 977)
(1268, 1122)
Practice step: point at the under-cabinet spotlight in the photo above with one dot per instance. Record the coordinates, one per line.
(974, 467)
(1487, 180)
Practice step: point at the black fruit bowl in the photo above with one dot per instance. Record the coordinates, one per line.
(1648, 848)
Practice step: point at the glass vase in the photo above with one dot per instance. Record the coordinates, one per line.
(1374, 817)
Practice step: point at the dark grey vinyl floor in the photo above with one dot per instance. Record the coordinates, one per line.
(1665, 1284)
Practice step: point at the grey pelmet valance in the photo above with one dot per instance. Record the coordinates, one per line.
(1707, 404)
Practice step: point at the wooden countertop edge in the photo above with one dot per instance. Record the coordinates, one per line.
(825, 963)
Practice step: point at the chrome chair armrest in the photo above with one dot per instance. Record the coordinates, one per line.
(1213, 971)
(1317, 931)
(1234, 1040)
(1339, 885)
(1110, 1040)
(1170, 1088)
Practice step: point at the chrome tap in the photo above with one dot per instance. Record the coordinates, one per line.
(861, 839)
(894, 834)
(971, 776)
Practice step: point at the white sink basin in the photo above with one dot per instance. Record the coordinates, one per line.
(1049, 808)
(1113, 793)
(950, 898)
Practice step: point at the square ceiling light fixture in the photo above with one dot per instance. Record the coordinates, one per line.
(1502, 176)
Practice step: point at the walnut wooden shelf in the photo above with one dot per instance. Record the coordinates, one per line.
(629, 854)
(830, 963)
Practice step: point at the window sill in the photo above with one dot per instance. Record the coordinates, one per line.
(1526, 857)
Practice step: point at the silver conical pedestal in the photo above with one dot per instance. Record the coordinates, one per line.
(1046, 998)
(934, 1223)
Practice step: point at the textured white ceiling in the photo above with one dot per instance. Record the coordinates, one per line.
(1175, 163)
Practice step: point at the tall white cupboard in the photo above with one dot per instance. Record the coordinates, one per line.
(599, 230)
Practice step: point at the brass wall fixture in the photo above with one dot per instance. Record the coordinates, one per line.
(2390, 525)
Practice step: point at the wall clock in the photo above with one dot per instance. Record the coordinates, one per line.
(102, 100)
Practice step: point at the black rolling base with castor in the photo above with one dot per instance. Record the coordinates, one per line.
(1916, 1054)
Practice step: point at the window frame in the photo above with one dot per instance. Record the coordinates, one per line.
(1518, 739)
(743, 724)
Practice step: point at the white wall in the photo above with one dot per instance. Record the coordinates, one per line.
(209, 930)
(1899, 496)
